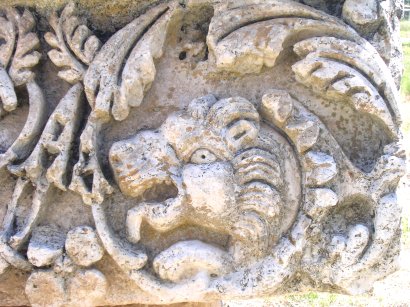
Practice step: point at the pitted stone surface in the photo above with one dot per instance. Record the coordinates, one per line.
(157, 152)
(83, 247)
(45, 246)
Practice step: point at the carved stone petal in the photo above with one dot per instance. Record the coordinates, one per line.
(361, 15)
(321, 168)
(8, 97)
(45, 246)
(303, 133)
(83, 246)
(318, 200)
(277, 106)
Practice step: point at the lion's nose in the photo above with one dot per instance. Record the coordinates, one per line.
(210, 187)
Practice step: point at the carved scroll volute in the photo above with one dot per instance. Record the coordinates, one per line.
(313, 34)
(340, 66)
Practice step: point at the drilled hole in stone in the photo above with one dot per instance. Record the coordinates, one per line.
(182, 55)
(48, 159)
(58, 130)
(86, 156)
(88, 181)
(239, 135)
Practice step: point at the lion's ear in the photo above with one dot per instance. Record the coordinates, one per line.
(242, 134)
(238, 121)
(198, 108)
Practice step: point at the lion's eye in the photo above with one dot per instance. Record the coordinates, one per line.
(203, 156)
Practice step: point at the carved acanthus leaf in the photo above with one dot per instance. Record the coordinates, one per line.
(342, 70)
(74, 45)
(17, 55)
(88, 179)
(51, 155)
(124, 68)
(24, 57)
(243, 39)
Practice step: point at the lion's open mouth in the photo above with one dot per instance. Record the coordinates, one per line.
(160, 191)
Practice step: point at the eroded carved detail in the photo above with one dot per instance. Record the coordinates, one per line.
(71, 280)
(227, 196)
(223, 178)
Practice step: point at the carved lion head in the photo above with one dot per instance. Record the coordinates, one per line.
(226, 176)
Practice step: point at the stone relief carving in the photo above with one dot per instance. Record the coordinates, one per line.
(272, 168)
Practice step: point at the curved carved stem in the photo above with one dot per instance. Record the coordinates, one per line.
(128, 259)
(32, 129)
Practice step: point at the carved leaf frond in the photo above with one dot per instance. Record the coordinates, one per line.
(50, 157)
(25, 57)
(128, 54)
(124, 68)
(79, 37)
(8, 35)
(245, 38)
(341, 70)
(47, 164)
(88, 179)
(74, 45)
(338, 64)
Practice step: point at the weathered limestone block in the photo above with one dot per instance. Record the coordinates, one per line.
(158, 152)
